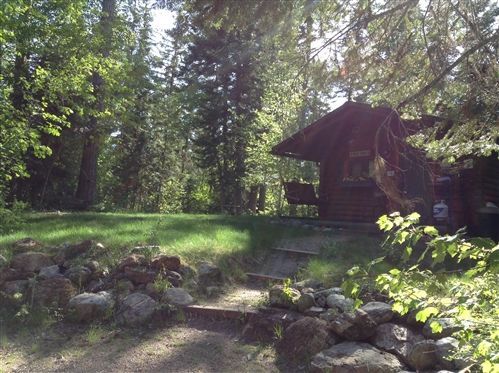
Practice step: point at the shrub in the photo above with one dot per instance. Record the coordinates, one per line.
(468, 293)
(12, 219)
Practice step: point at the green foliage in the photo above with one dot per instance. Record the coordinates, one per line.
(161, 283)
(12, 219)
(469, 293)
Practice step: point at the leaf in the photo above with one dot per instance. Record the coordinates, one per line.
(430, 230)
(426, 313)
(399, 308)
(436, 327)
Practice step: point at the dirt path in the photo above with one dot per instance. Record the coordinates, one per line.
(196, 346)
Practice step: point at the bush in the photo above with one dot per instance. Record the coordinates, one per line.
(469, 294)
(12, 219)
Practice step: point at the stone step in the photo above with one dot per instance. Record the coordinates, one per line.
(241, 313)
(297, 251)
(262, 276)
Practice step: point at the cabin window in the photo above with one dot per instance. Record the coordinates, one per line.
(358, 169)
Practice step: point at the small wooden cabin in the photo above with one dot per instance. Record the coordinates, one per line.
(367, 169)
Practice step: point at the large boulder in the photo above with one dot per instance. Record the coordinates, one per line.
(321, 295)
(354, 326)
(133, 260)
(303, 339)
(349, 357)
(396, 339)
(11, 288)
(72, 251)
(171, 263)
(79, 275)
(178, 297)
(449, 327)
(136, 309)
(283, 296)
(49, 272)
(26, 244)
(422, 355)
(339, 302)
(53, 292)
(380, 312)
(11, 274)
(31, 261)
(209, 275)
(305, 302)
(140, 275)
(445, 348)
(87, 307)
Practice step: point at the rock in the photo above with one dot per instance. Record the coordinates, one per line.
(136, 309)
(140, 275)
(321, 296)
(329, 315)
(303, 339)
(15, 287)
(307, 283)
(314, 311)
(178, 297)
(87, 307)
(26, 244)
(99, 246)
(305, 302)
(78, 275)
(213, 291)
(31, 261)
(3, 261)
(209, 275)
(380, 312)
(95, 286)
(49, 272)
(307, 291)
(445, 348)
(339, 302)
(422, 355)
(53, 292)
(449, 327)
(328, 292)
(187, 272)
(72, 251)
(133, 260)
(92, 265)
(174, 278)
(11, 274)
(171, 263)
(396, 339)
(354, 326)
(349, 357)
(262, 326)
(279, 296)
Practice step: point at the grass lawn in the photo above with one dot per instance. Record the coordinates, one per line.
(192, 237)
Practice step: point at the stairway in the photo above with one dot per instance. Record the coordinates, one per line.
(286, 259)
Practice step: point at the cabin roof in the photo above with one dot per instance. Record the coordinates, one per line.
(314, 141)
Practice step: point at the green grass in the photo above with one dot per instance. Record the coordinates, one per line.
(217, 238)
(337, 257)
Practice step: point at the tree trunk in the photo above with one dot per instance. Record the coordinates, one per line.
(253, 198)
(87, 181)
(262, 197)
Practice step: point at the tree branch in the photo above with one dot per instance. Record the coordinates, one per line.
(448, 69)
